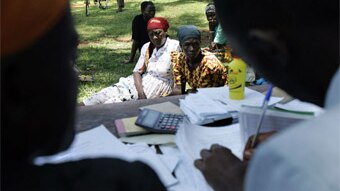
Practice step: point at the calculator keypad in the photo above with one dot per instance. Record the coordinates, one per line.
(170, 122)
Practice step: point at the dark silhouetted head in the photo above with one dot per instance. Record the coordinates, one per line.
(294, 44)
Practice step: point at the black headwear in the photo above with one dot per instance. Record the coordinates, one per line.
(188, 31)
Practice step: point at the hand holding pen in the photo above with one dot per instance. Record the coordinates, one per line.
(257, 137)
(248, 150)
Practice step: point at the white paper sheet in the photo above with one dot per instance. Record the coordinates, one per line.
(251, 97)
(183, 170)
(300, 106)
(191, 139)
(99, 142)
(276, 120)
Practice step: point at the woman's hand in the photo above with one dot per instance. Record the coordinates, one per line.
(137, 77)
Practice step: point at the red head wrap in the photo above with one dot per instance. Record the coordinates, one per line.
(158, 23)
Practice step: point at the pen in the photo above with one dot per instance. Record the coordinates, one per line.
(264, 109)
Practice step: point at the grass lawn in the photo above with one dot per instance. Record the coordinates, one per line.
(105, 36)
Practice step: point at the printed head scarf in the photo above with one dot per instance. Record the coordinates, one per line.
(188, 31)
(24, 22)
(158, 23)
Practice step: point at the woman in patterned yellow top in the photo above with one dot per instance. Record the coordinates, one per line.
(197, 68)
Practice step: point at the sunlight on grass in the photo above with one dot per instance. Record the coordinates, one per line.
(105, 36)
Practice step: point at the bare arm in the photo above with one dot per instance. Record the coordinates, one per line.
(134, 48)
(133, 52)
(137, 77)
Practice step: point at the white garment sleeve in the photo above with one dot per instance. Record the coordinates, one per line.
(141, 58)
(333, 91)
(305, 157)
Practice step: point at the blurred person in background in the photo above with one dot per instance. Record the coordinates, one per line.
(120, 4)
(152, 76)
(192, 66)
(139, 28)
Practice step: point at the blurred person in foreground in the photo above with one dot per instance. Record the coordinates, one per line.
(275, 38)
(38, 47)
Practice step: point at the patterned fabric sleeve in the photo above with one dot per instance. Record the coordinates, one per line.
(214, 74)
(178, 67)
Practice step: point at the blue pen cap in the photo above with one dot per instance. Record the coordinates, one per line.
(269, 92)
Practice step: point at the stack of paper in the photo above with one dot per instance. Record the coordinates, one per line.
(277, 118)
(191, 139)
(212, 104)
(200, 109)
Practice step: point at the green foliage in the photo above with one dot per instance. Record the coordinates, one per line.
(105, 36)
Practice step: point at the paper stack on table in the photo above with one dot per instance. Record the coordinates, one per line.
(200, 109)
(277, 118)
(212, 104)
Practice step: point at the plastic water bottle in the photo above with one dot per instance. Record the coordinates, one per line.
(236, 78)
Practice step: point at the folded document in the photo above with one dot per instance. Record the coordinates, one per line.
(274, 120)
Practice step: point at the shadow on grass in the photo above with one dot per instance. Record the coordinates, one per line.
(105, 37)
(103, 23)
(161, 6)
(109, 24)
(97, 60)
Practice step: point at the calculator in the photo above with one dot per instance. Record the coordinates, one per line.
(159, 122)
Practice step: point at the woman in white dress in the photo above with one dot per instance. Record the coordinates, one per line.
(152, 76)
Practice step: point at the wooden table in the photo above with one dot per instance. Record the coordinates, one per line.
(93, 116)
(89, 117)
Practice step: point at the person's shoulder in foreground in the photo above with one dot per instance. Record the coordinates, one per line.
(315, 156)
(275, 38)
(99, 174)
(37, 56)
